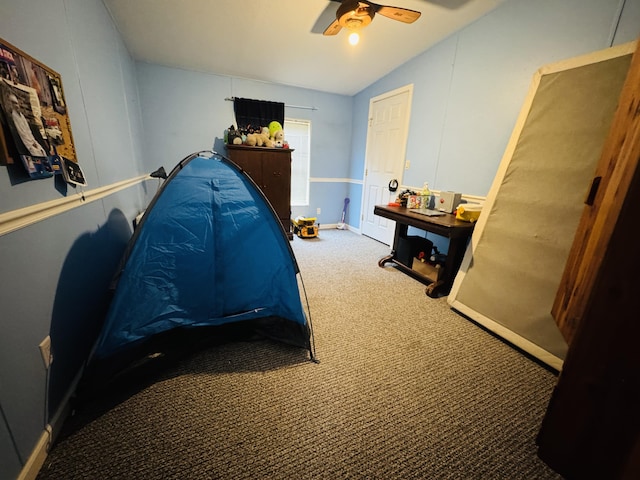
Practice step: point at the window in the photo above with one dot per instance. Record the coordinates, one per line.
(297, 133)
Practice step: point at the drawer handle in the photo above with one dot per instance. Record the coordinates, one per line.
(593, 191)
(277, 174)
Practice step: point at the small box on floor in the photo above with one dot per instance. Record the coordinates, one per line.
(432, 272)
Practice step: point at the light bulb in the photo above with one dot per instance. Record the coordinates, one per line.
(354, 38)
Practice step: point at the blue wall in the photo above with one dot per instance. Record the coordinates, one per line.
(185, 111)
(468, 89)
(55, 273)
(467, 93)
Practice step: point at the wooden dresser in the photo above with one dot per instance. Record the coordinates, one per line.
(270, 168)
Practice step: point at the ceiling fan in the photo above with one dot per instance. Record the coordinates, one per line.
(356, 14)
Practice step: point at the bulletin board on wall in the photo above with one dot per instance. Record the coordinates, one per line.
(515, 260)
(36, 130)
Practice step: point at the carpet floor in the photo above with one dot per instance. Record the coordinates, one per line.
(405, 388)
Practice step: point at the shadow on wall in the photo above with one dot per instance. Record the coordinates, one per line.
(219, 146)
(81, 301)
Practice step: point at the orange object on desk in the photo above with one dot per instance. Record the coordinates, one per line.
(393, 204)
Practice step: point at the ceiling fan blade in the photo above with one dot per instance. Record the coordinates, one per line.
(396, 13)
(450, 4)
(327, 16)
(333, 29)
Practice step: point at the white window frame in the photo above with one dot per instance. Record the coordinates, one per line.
(300, 142)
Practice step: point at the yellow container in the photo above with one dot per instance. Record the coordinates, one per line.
(468, 212)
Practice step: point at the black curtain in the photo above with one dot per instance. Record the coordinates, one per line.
(251, 115)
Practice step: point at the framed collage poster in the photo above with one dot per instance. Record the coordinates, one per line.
(36, 130)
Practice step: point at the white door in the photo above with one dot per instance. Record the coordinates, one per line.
(384, 158)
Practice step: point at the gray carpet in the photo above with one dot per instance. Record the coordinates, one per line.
(405, 388)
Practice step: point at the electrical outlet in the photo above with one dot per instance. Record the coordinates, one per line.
(318, 211)
(407, 165)
(45, 350)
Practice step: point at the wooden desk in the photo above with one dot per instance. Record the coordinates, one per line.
(457, 231)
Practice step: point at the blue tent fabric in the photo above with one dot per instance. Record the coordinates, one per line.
(209, 251)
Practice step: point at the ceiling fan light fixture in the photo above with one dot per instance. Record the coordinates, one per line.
(357, 14)
(357, 18)
(354, 38)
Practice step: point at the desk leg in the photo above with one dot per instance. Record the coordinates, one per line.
(455, 255)
(431, 289)
(384, 260)
(401, 231)
(457, 247)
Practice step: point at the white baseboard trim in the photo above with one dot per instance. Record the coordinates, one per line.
(328, 226)
(334, 226)
(39, 453)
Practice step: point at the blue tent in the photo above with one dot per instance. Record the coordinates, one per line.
(208, 252)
